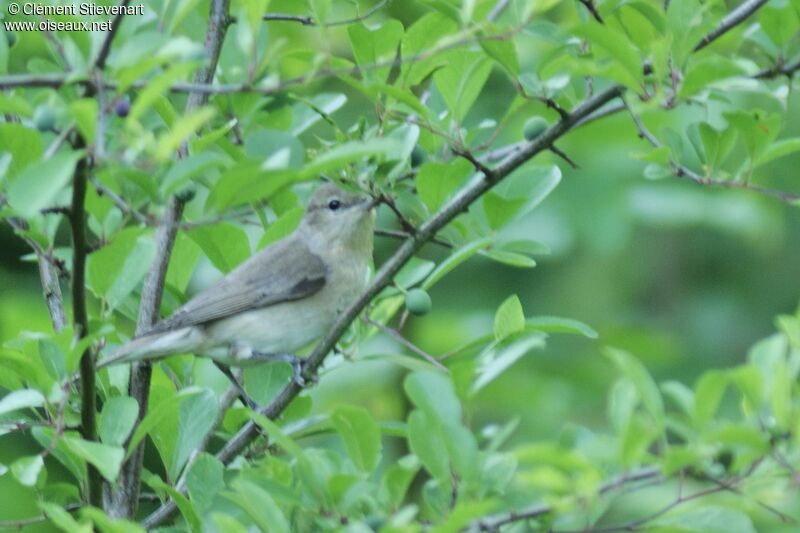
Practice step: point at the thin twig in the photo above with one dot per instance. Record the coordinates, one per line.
(780, 69)
(592, 9)
(120, 202)
(731, 20)
(105, 49)
(125, 496)
(307, 20)
(560, 153)
(394, 234)
(497, 10)
(407, 343)
(493, 523)
(682, 171)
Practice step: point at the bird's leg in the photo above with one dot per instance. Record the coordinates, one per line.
(246, 399)
(295, 362)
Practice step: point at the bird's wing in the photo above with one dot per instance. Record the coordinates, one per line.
(283, 272)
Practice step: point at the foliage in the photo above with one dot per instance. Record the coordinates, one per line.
(211, 118)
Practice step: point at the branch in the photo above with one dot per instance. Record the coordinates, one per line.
(105, 49)
(493, 523)
(780, 69)
(592, 9)
(682, 171)
(460, 202)
(307, 20)
(94, 485)
(125, 496)
(48, 274)
(407, 343)
(731, 20)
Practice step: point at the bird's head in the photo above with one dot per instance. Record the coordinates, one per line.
(340, 218)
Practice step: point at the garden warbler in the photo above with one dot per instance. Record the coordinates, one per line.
(278, 301)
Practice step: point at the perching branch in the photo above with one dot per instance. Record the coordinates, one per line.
(731, 20)
(780, 69)
(592, 9)
(460, 202)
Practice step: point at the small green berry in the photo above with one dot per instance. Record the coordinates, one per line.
(418, 302)
(44, 118)
(418, 156)
(534, 127)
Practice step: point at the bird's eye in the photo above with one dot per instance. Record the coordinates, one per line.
(333, 205)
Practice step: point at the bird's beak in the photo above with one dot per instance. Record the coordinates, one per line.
(369, 203)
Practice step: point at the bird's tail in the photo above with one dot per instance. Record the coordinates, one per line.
(153, 346)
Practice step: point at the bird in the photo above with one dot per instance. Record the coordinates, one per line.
(280, 299)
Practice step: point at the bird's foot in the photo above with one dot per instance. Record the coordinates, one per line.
(297, 364)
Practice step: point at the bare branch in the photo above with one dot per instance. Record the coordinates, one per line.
(118, 201)
(125, 496)
(94, 485)
(105, 49)
(497, 10)
(407, 343)
(307, 20)
(592, 9)
(731, 20)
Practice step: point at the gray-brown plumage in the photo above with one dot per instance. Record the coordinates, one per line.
(279, 300)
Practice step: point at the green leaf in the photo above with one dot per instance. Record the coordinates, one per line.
(41, 183)
(62, 519)
(161, 412)
(196, 418)
(499, 210)
(184, 505)
(114, 271)
(433, 393)
(461, 80)
(509, 318)
(24, 145)
(360, 434)
(117, 420)
(282, 227)
(427, 445)
(259, 505)
(182, 262)
(616, 47)
(204, 481)
(495, 362)
(704, 71)
(706, 519)
(778, 149)
(226, 245)
(107, 459)
(397, 479)
(426, 34)
(84, 112)
(185, 126)
(458, 256)
(555, 324)
(707, 396)
(645, 385)
(21, 399)
(501, 50)
(27, 469)
(375, 46)
(436, 182)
